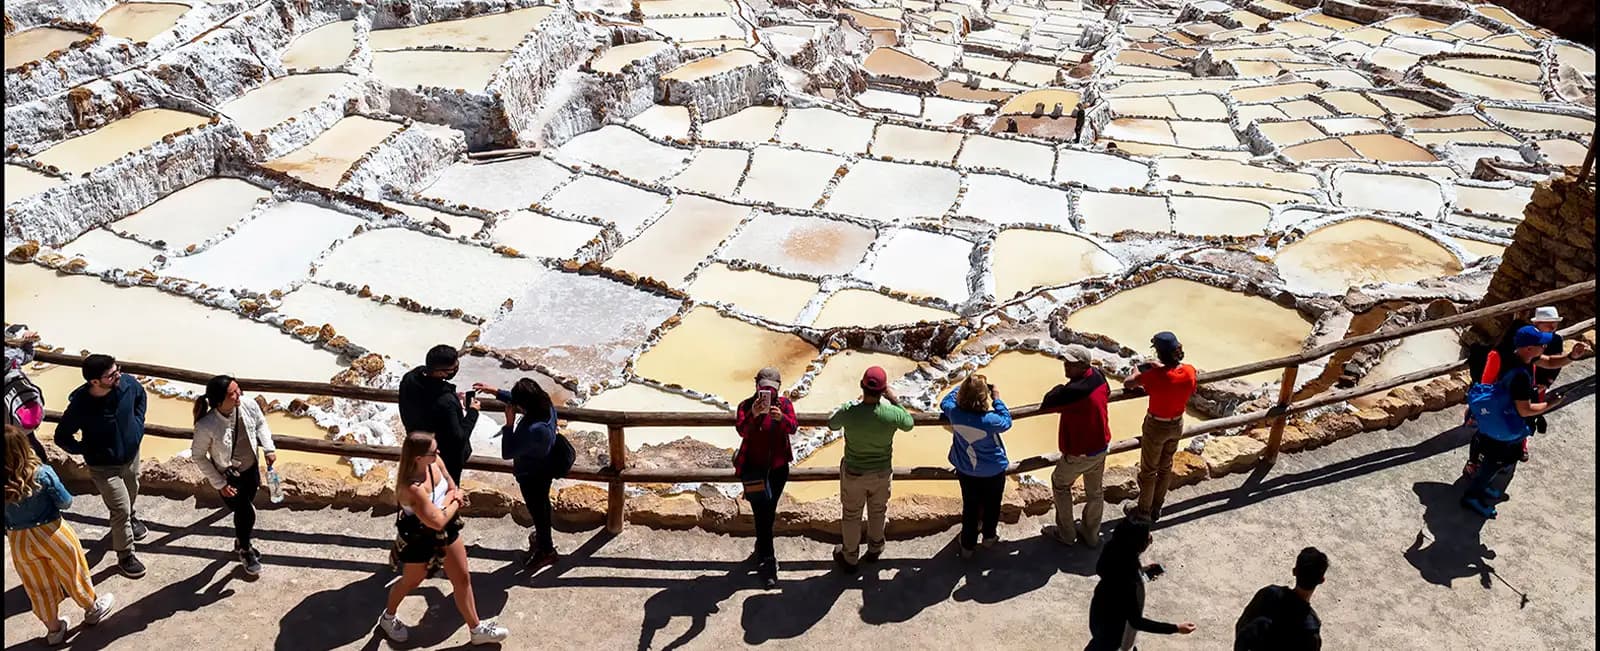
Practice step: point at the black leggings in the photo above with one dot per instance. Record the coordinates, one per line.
(246, 482)
(536, 494)
(766, 510)
(980, 500)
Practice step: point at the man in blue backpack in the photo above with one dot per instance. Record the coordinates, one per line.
(1500, 410)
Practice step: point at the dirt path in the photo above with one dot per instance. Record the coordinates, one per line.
(1411, 570)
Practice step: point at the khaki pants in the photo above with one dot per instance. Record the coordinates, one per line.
(1092, 469)
(119, 487)
(858, 490)
(1159, 443)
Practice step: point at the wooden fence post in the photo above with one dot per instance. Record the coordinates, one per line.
(1285, 394)
(616, 497)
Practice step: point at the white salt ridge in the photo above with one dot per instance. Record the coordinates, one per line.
(272, 251)
(516, 183)
(435, 272)
(922, 263)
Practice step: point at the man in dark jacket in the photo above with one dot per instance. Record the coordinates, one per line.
(109, 411)
(429, 403)
(1116, 612)
(1280, 619)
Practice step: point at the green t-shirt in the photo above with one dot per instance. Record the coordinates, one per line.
(869, 432)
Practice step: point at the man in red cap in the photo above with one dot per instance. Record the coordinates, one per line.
(1169, 384)
(869, 425)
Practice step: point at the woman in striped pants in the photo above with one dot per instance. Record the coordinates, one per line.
(46, 552)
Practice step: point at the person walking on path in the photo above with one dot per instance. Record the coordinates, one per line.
(1545, 370)
(429, 403)
(24, 400)
(977, 416)
(229, 433)
(539, 455)
(44, 549)
(765, 421)
(865, 473)
(1083, 436)
(1116, 612)
(1501, 410)
(428, 522)
(108, 409)
(1169, 385)
(1281, 619)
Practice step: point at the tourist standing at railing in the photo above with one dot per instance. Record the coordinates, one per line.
(429, 522)
(429, 403)
(866, 472)
(765, 421)
(43, 548)
(1545, 369)
(108, 409)
(1169, 385)
(1116, 612)
(229, 434)
(1502, 409)
(1279, 618)
(1083, 436)
(24, 400)
(539, 455)
(977, 416)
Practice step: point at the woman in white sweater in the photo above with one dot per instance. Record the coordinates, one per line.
(228, 431)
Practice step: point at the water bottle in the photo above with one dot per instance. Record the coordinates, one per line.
(275, 485)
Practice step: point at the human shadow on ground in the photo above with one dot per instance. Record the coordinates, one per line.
(347, 614)
(697, 599)
(187, 595)
(1450, 546)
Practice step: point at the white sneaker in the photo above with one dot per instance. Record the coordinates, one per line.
(487, 632)
(56, 638)
(99, 609)
(392, 628)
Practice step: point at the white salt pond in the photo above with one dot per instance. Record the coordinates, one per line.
(885, 191)
(22, 182)
(713, 171)
(173, 220)
(806, 245)
(271, 251)
(120, 138)
(536, 234)
(1335, 258)
(469, 71)
(495, 31)
(140, 21)
(825, 130)
(280, 99)
(106, 248)
(1003, 200)
(612, 60)
(789, 178)
(625, 206)
(923, 264)
(625, 151)
(587, 326)
(1391, 192)
(429, 270)
(867, 309)
(326, 46)
(519, 183)
(388, 330)
(672, 247)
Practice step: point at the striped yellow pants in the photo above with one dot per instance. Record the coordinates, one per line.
(50, 563)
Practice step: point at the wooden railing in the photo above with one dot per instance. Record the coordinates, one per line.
(617, 474)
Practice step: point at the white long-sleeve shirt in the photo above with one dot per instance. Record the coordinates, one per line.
(212, 448)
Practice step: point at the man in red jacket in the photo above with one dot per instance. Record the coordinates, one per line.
(1084, 435)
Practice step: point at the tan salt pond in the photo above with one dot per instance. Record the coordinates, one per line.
(174, 220)
(1018, 252)
(1519, 69)
(120, 138)
(769, 296)
(1260, 329)
(1479, 249)
(327, 46)
(702, 68)
(1213, 216)
(676, 243)
(1334, 258)
(754, 125)
(1481, 85)
(639, 397)
(867, 309)
(714, 171)
(1104, 212)
(1274, 92)
(905, 143)
(500, 31)
(720, 355)
(1523, 120)
(1413, 354)
(1384, 147)
(33, 44)
(22, 182)
(140, 21)
(1563, 152)
(614, 59)
(891, 62)
(470, 71)
(280, 99)
(325, 160)
(840, 378)
(1026, 103)
(1324, 149)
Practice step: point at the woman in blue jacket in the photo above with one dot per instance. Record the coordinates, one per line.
(977, 416)
(539, 455)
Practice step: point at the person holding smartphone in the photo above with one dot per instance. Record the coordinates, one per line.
(977, 416)
(1116, 613)
(765, 421)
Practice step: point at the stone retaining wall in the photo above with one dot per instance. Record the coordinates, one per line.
(1553, 248)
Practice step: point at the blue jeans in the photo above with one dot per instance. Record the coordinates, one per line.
(1497, 457)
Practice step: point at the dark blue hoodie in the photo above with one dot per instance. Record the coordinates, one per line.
(112, 426)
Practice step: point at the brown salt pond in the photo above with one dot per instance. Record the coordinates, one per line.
(280, 99)
(120, 138)
(1334, 258)
(22, 182)
(1261, 329)
(140, 21)
(719, 355)
(173, 219)
(867, 309)
(890, 62)
(324, 161)
(327, 46)
(712, 65)
(1027, 103)
(499, 31)
(1017, 254)
(33, 44)
(469, 71)
(769, 296)
(676, 243)
(814, 246)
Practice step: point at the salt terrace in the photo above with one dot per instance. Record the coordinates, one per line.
(641, 204)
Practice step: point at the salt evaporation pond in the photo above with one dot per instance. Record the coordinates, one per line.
(681, 210)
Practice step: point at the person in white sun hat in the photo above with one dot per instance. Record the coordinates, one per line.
(1545, 368)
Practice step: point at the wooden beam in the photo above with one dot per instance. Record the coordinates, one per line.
(616, 489)
(1285, 396)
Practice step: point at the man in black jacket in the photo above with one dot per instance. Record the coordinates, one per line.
(1281, 619)
(429, 403)
(104, 423)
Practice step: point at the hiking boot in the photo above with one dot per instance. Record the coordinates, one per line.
(989, 541)
(1053, 532)
(251, 559)
(540, 560)
(392, 628)
(99, 609)
(140, 532)
(1131, 511)
(872, 555)
(58, 636)
(129, 565)
(847, 566)
(1477, 506)
(487, 632)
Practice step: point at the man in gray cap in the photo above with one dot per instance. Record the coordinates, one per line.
(1083, 436)
(1169, 385)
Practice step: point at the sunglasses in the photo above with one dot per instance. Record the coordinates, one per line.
(111, 374)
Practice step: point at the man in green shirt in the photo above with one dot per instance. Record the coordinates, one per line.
(869, 425)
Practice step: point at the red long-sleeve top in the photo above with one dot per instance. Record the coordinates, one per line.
(766, 438)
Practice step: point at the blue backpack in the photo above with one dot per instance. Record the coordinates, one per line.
(1494, 410)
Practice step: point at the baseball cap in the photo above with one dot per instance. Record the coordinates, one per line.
(768, 377)
(1545, 314)
(1076, 353)
(1165, 342)
(1530, 336)
(875, 379)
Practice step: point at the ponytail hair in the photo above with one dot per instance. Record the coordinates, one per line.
(216, 392)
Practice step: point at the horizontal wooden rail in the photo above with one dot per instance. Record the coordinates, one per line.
(723, 419)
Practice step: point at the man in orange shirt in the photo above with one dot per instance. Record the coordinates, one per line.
(1169, 385)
